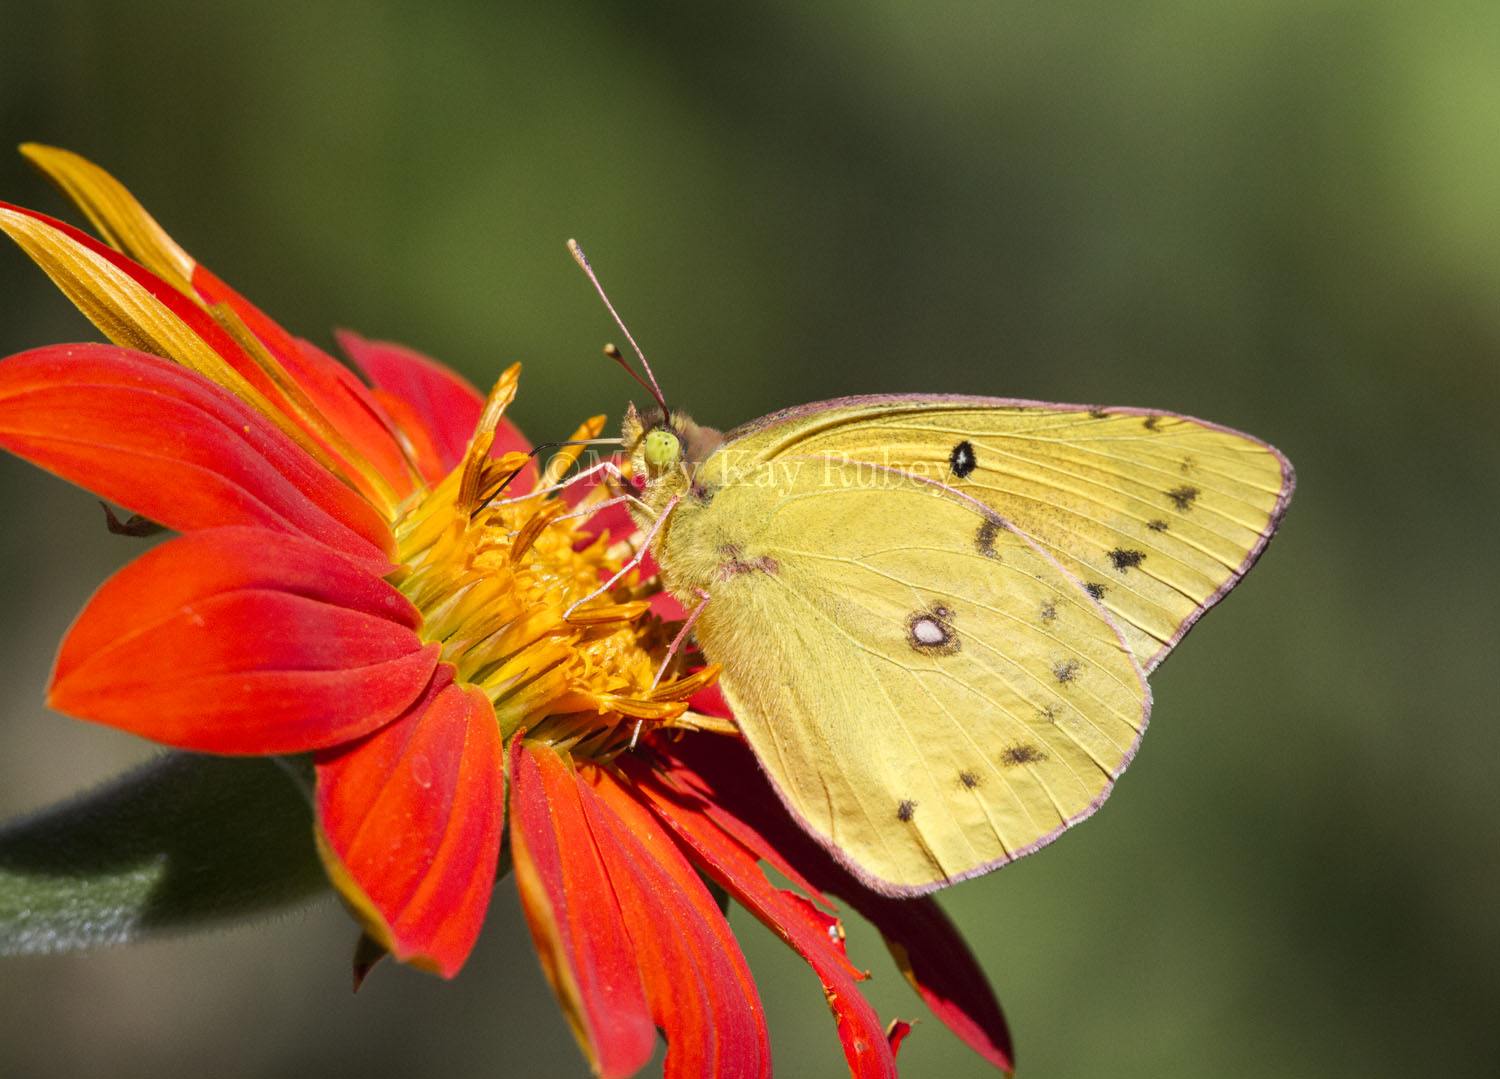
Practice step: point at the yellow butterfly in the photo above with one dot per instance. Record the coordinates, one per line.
(935, 614)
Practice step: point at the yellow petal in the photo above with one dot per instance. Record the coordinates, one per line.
(115, 213)
(128, 314)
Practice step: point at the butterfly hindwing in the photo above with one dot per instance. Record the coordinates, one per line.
(931, 693)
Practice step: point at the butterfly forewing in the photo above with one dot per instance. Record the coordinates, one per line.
(1157, 515)
(930, 692)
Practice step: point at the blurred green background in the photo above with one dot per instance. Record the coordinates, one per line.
(1284, 216)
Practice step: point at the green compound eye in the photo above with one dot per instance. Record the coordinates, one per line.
(663, 449)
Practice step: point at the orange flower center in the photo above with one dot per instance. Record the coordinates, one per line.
(510, 586)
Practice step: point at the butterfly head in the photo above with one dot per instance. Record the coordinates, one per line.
(665, 450)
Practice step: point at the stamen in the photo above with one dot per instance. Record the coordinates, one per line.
(614, 612)
(533, 528)
(478, 453)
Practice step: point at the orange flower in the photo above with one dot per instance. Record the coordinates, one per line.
(381, 576)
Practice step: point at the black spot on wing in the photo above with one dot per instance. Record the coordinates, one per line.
(1157, 525)
(962, 459)
(1183, 497)
(1123, 560)
(1049, 611)
(1019, 754)
(1066, 671)
(1098, 414)
(969, 779)
(1094, 588)
(1150, 422)
(930, 631)
(906, 810)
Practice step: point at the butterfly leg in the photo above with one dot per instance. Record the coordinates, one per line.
(634, 561)
(614, 481)
(682, 634)
(587, 508)
(672, 649)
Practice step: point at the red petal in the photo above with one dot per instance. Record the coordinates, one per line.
(935, 960)
(418, 441)
(109, 306)
(710, 702)
(413, 815)
(932, 954)
(199, 321)
(356, 414)
(575, 919)
(699, 986)
(241, 640)
(694, 766)
(174, 447)
(331, 386)
(447, 404)
(815, 935)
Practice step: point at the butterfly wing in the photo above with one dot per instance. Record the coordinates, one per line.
(1158, 515)
(930, 692)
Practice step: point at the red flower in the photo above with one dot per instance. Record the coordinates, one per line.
(379, 575)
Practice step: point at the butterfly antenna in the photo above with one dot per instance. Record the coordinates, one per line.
(609, 350)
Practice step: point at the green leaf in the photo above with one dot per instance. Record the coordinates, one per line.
(183, 842)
